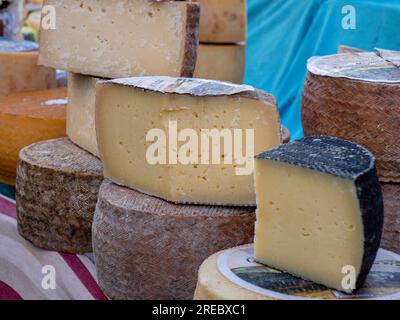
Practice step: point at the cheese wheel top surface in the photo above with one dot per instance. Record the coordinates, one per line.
(11, 45)
(381, 66)
(335, 156)
(48, 104)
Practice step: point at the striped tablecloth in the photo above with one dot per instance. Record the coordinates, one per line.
(29, 273)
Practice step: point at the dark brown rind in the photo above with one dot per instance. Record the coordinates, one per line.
(366, 113)
(147, 248)
(369, 194)
(391, 228)
(192, 40)
(56, 193)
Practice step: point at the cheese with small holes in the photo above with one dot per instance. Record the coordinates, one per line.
(140, 38)
(19, 69)
(56, 192)
(219, 125)
(224, 62)
(81, 111)
(319, 211)
(147, 248)
(222, 21)
(25, 118)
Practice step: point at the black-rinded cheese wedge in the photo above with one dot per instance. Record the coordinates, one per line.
(320, 211)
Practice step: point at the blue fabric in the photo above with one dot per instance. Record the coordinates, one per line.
(283, 34)
(7, 191)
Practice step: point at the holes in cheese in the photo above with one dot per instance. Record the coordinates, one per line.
(56, 192)
(19, 70)
(122, 38)
(129, 110)
(319, 210)
(25, 118)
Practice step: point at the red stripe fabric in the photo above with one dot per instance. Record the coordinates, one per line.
(8, 207)
(84, 275)
(8, 293)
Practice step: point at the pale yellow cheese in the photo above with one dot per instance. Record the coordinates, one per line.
(213, 285)
(313, 236)
(19, 72)
(222, 21)
(125, 115)
(224, 62)
(81, 111)
(121, 38)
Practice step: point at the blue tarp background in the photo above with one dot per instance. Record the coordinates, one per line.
(283, 34)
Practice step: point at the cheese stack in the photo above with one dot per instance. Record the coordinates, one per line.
(356, 96)
(221, 54)
(136, 234)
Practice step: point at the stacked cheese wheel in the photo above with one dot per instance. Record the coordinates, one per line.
(148, 239)
(356, 96)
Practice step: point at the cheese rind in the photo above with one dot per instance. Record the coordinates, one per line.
(56, 193)
(141, 38)
(19, 69)
(223, 21)
(152, 103)
(147, 248)
(81, 111)
(221, 62)
(391, 228)
(351, 96)
(26, 118)
(319, 209)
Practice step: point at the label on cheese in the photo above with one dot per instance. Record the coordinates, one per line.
(121, 39)
(239, 266)
(194, 87)
(11, 45)
(366, 66)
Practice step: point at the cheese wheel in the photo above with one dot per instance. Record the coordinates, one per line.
(224, 62)
(213, 285)
(391, 228)
(25, 118)
(234, 274)
(356, 96)
(147, 248)
(222, 21)
(130, 38)
(56, 193)
(19, 69)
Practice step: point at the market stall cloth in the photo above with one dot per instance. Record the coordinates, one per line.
(283, 34)
(29, 273)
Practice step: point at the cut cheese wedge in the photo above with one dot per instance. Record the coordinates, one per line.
(319, 211)
(122, 38)
(223, 21)
(19, 70)
(224, 62)
(219, 125)
(81, 110)
(25, 118)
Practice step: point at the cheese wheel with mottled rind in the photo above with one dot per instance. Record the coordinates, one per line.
(147, 248)
(56, 193)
